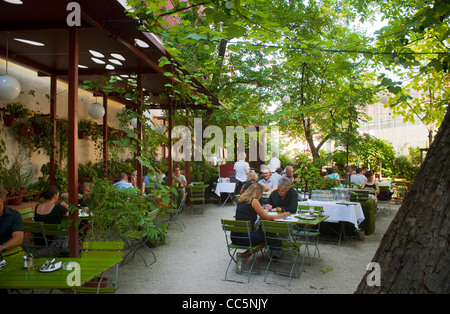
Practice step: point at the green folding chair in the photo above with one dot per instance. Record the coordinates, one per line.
(34, 237)
(279, 237)
(57, 239)
(309, 235)
(175, 212)
(243, 228)
(197, 194)
(101, 285)
(26, 213)
(136, 238)
(13, 252)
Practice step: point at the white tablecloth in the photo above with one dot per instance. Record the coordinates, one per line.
(339, 212)
(225, 187)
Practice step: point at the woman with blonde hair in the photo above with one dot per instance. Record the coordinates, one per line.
(248, 209)
(251, 178)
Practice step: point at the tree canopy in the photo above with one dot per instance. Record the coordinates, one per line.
(252, 53)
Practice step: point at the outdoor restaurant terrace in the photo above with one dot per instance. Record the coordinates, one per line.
(115, 211)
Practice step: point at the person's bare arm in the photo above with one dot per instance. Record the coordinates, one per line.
(261, 213)
(15, 241)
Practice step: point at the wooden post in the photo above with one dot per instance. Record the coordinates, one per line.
(170, 149)
(73, 138)
(140, 105)
(105, 137)
(53, 87)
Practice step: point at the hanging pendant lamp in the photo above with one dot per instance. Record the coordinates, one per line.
(9, 86)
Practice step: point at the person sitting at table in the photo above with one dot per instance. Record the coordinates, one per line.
(84, 193)
(285, 198)
(276, 176)
(180, 183)
(358, 178)
(370, 183)
(289, 173)
(248, 209)
(333, 173)
(135, 183)
(267, 181)
(50, 212)
(252, 177)
(123, 182)
(11, 225)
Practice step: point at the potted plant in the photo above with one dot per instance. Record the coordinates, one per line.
(14, 178)
(14, 111)
(41, 125)
(34, 188)
(24, 128)
(86, 128)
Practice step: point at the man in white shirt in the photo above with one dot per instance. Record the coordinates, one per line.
(242, 169)
(274, 163)
(358, 178)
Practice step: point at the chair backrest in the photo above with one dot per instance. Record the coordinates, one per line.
(102, 249)
(26, 213)
(54, 230)
(198, 189)
(34, 235)
(359, 196)
(13, 252)
(278, 235)
(303, 209)
(243, 228)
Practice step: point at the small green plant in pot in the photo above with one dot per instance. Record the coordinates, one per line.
(14, 178)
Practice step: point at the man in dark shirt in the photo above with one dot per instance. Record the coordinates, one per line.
(285, 197)
(11, 226)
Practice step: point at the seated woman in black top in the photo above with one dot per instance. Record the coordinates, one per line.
(49, 212)
(248, 209)
(284, 198)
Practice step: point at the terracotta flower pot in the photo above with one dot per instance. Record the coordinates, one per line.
(37, 130)
(81, 134)
(25, 130)
(17, 201)
(9, 120)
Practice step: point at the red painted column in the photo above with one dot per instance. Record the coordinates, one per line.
(73, 138)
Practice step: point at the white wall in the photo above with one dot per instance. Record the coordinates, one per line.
(40, 103)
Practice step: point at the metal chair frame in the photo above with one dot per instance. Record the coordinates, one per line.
(135, 239)
(309, 234)
(101, 250)
(175, 213)
(279, 237)
(243, 227)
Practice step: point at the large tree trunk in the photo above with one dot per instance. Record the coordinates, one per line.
(414, 253)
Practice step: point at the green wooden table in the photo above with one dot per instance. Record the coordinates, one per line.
(15, 277)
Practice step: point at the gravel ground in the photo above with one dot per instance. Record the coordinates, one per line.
(194, 261)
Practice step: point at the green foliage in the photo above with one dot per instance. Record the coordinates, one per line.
(15, 176)
(115, 211)
(311, 174)
(404, 168)
(414, 47)
(17, 109)
(89, 127)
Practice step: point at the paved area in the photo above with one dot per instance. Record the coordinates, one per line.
(194, 261)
